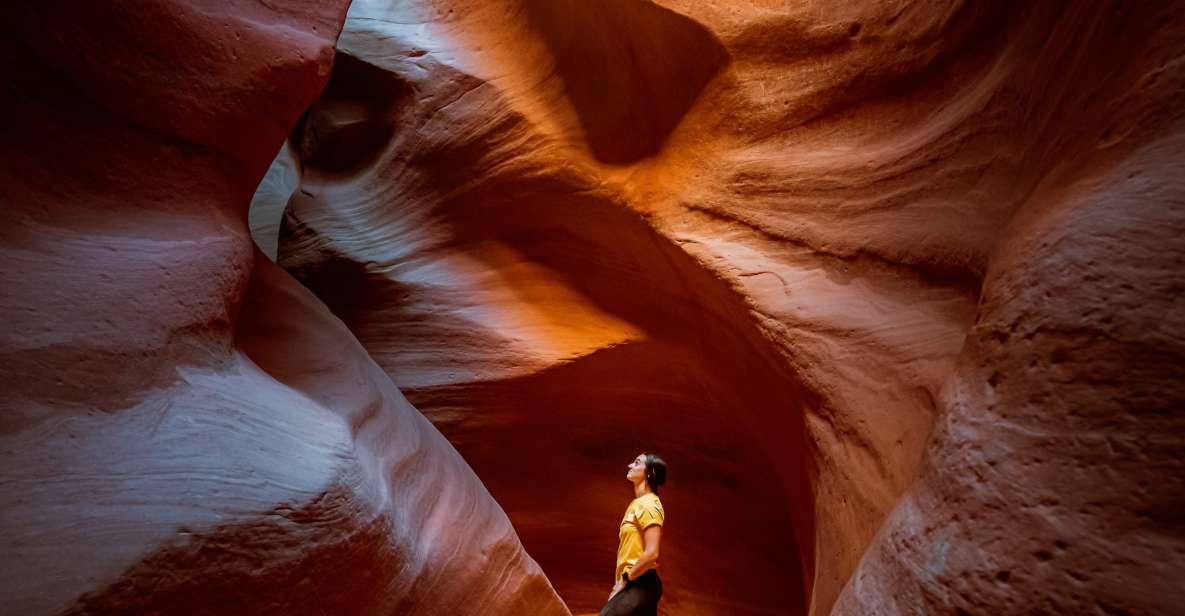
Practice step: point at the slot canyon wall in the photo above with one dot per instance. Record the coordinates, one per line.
(186, 429)
(893, 286)
(779, 243)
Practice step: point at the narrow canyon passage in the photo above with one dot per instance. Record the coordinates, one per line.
(691, 378)
(545, 328)
(894, 287)
(570, 232)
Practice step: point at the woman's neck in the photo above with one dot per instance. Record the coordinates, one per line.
(641, 489)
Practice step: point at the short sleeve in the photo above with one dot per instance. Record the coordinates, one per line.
(650, 513)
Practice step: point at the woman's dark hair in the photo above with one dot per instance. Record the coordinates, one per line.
(656, 471)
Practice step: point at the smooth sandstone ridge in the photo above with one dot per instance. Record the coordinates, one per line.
(185, 429)
(892, 285)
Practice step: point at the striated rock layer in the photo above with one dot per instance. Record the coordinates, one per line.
(184, 428)
(774, 243)
(1055, 478)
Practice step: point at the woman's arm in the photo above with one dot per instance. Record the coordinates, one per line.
(651, 537)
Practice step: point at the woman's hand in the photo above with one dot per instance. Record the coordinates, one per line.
(616, 589)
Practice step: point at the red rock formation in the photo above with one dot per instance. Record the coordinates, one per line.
(754, 238)
(1055, 475)
(185, 429)
(776, 243)
(1056, 470)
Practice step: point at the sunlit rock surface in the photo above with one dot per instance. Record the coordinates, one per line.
(775, 242)
(184, 428)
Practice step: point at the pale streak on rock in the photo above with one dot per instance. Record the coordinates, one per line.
(270, 199)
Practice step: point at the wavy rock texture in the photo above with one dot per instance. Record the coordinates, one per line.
(754, 236)
(186, 429)
(1056, 476)
(270, 199)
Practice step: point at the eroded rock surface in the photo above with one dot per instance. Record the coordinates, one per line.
(185, 429)
(755, 237)
(1056, 470)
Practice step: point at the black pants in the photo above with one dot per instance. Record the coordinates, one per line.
(638, 598)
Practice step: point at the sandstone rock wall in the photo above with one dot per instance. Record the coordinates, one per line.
(184, 428)
(894, 286)
(754, 236)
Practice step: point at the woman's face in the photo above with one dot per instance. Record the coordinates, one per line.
(637, 469)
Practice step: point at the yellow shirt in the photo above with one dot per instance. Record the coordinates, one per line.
(642, 512)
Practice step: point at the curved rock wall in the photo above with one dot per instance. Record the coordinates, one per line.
(184, 428)
(776, 243)
(754, 237)
(1056, 470)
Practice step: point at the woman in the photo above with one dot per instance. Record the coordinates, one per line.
(637, 588)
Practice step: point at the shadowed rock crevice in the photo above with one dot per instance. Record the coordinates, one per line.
(353, 120)
(631, 68)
